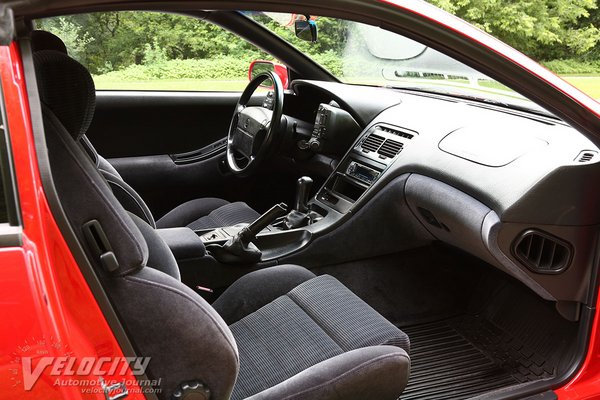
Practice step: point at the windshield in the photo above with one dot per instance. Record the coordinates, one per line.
(357, 53)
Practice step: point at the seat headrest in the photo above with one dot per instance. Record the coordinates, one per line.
(67, 89)
(42, 40)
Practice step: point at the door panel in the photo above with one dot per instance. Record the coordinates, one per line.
(130, 124)
(163, 184)
(140, 132)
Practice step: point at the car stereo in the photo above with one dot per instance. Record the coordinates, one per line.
(362, 172)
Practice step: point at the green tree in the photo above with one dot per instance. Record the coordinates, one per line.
(72, 35)
(594, 20)
(544, 29)
(115, 40)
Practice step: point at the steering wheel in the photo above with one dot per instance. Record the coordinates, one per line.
(252, 128)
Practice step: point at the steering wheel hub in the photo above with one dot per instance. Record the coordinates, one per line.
(252, 127)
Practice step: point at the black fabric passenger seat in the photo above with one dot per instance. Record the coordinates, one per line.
(317, 322)
(276, 333)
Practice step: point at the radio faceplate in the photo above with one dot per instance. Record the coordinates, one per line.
(368, 159)
(362, 173)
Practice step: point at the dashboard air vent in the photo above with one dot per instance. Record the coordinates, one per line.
(586, 156)
(542, 252)
(396, 132)
(390, 148)
(372, 143)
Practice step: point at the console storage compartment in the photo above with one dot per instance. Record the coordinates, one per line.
(183, 242)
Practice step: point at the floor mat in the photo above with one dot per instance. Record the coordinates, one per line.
(465, 356)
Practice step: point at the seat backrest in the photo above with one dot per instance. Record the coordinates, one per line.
(165, 320)
(43, 40)
(127, 196)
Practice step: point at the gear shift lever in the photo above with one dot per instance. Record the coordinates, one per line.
(303, 186)
(299, 216)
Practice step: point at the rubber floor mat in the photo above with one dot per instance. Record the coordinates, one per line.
(466, 356)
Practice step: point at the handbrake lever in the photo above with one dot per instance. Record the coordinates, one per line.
(248, 233)
(240, 249)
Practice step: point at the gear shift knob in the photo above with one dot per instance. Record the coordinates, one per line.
(303, 187)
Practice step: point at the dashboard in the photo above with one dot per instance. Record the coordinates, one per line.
(517, 190)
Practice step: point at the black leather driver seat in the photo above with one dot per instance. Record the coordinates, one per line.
(277, 333)
(197, 214)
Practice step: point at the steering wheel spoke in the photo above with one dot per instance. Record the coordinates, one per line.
(252, 128)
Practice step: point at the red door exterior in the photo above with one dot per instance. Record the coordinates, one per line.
(46, 306)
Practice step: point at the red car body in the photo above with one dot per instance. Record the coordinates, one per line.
(46, 304)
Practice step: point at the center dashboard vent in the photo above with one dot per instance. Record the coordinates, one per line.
(372, 143)
(386, 148)
(542, 253)
(390, 148)
(380, 142)
(396, 132)
(586, 156)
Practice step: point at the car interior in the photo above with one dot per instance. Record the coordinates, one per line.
(329, 241)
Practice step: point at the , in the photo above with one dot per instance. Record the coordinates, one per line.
(293, 199)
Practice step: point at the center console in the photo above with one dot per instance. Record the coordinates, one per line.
(363, 165)
(372, 154)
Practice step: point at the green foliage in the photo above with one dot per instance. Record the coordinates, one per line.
(594, 20)
(228, 67)
(151, 45)
(116, 40)
(217, 68)
(544, 29)
(74, 37)
(332, 33)
(154, 54)
(573, 66)
(331, 61)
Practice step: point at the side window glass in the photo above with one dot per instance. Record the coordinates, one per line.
(8, 200)
(155, 51)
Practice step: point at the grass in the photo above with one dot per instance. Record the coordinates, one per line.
(589, 84)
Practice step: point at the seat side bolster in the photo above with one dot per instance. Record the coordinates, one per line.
(377, 372)
(104, 165)
(181, 333)
(128, 197)
(160, 256)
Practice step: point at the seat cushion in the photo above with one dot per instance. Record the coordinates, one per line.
(376, 372)
(207, 213)
(257, 289)
(316, 321)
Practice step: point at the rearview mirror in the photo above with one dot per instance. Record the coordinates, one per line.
(259, 66)
(306, 29)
